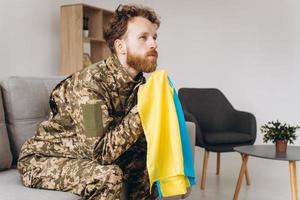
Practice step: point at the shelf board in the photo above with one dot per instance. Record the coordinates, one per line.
(83, 5)
(92, 39)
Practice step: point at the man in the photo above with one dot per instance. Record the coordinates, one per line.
(62, 155)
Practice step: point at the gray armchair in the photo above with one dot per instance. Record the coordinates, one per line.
(219, 127)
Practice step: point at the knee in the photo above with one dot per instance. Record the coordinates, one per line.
(26, 170)
(115, 174)
(112, 174)
(30, 177)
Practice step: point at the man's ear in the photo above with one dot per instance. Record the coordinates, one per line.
(120, 46)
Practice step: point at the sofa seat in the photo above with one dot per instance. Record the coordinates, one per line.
(11, 188)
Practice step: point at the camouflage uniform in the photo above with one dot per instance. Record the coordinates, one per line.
(61, 157)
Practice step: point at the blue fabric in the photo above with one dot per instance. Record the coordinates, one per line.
(189, 170)
(159, 190)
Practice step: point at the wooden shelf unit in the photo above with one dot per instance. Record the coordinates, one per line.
(73, 39)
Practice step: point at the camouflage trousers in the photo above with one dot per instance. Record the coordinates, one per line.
(88, 178)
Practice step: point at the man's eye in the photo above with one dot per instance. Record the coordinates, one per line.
(143, 37)
(155, 38)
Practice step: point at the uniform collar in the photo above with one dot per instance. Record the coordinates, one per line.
(125, 82)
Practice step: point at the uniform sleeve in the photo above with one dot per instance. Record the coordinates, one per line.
(117, 137)
(117, 140)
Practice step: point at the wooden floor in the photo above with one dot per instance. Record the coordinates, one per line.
(270, 179)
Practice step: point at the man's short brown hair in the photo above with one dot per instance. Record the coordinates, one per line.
(118, 24)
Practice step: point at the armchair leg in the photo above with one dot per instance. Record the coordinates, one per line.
(204, 170)
(218, 163)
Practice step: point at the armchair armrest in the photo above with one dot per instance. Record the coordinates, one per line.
(191, 118)
(244, 122)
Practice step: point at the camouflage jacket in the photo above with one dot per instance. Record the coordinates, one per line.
(63, 134)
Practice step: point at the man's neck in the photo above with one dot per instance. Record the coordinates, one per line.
(131, 71)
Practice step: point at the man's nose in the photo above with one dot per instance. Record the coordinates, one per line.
(152, 43)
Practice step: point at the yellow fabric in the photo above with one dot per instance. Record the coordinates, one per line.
(160, 123)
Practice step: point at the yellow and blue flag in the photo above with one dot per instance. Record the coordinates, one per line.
(169, 156)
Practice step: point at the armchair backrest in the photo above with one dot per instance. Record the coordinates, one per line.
(208, 105)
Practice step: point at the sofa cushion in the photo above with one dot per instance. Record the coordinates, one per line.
(26, 102)
(5, 153)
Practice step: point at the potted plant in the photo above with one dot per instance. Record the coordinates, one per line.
(279, 133)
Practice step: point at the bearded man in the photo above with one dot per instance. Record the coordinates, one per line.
(93, 140)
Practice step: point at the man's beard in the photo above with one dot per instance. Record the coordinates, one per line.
(142, 64)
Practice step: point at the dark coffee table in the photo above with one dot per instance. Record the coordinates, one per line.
(269, 152)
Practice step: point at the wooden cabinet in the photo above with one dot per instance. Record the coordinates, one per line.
(73, 40)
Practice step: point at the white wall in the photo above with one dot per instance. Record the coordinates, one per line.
(29, 42)
(250, 49)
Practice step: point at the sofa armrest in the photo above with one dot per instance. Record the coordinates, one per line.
(199, 136)
(192, 135)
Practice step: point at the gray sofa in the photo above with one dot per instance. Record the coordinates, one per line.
(23, 104)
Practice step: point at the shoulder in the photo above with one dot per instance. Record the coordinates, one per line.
(93, 71)
(93, 79)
